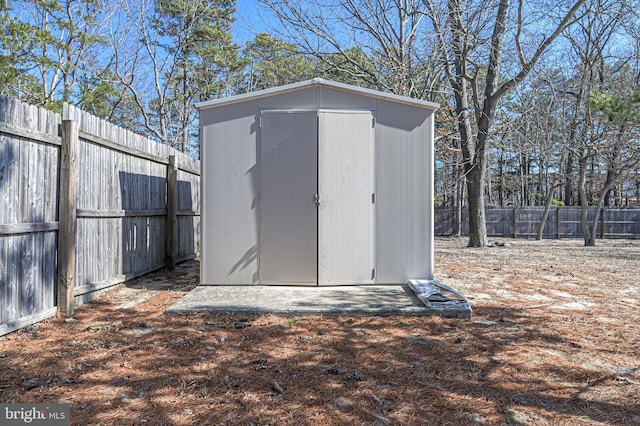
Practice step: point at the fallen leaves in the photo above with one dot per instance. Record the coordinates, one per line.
(523, 358)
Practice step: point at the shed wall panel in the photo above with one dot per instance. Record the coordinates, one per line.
(301, 99)
(346, 212)
(404, 195)
(288, 247)
(317, 98)
(231, 178)
(338, 99)
(230, 194)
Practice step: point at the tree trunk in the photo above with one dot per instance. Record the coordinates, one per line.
(607, 196)
(458, 189)
(475, 192)
(477, 164)
(472, 161)
(473, 148)
(573, 132)
(524, 180)
(612, 177)
(568, 186)
(185, 104)
(589, 238)
(501, 175)
(547, 207)
(457, 219)
(543, 184)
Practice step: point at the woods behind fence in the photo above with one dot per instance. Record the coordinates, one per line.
(120, 223)
(562, 222)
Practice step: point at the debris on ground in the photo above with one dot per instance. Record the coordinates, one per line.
(554, 339)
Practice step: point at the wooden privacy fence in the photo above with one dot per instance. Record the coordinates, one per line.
(562, 222)
(85, 205)
(29, 158)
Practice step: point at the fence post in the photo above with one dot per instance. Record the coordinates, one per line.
(67, 217)
(602, 223)
(558, 222)
(514, 223)
(172, 213)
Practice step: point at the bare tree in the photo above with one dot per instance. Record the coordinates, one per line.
(475, 61)
(468, 36)
(600, 134)
(140, 66)
(168, 55)
(616, 140)
(393, 34)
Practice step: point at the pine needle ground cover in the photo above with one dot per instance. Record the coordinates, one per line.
(554, 339)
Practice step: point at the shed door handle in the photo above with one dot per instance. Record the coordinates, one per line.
(316, 198)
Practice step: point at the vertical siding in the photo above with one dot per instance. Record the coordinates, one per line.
(288, 246)
(429, 214)
(229, 194)
(317, 98)
(346, 215)
(404, 196)
(300, 99)
(403, 215)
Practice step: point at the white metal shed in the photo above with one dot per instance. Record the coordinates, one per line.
(316, 183)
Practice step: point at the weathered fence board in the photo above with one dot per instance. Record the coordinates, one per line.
(120, 209)
(562, 222)
(122, 204)
(29, 152)
(188, 213)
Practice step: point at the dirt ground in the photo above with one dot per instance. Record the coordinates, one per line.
(554, 339)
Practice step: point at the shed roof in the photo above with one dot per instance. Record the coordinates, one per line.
(317, 82)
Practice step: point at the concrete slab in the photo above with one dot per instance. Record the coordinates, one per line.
(290, 300)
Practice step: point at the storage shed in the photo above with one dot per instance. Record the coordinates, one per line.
(316, 183)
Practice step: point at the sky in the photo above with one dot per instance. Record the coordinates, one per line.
(251, 19)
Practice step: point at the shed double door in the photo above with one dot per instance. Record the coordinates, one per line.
(317, 199)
